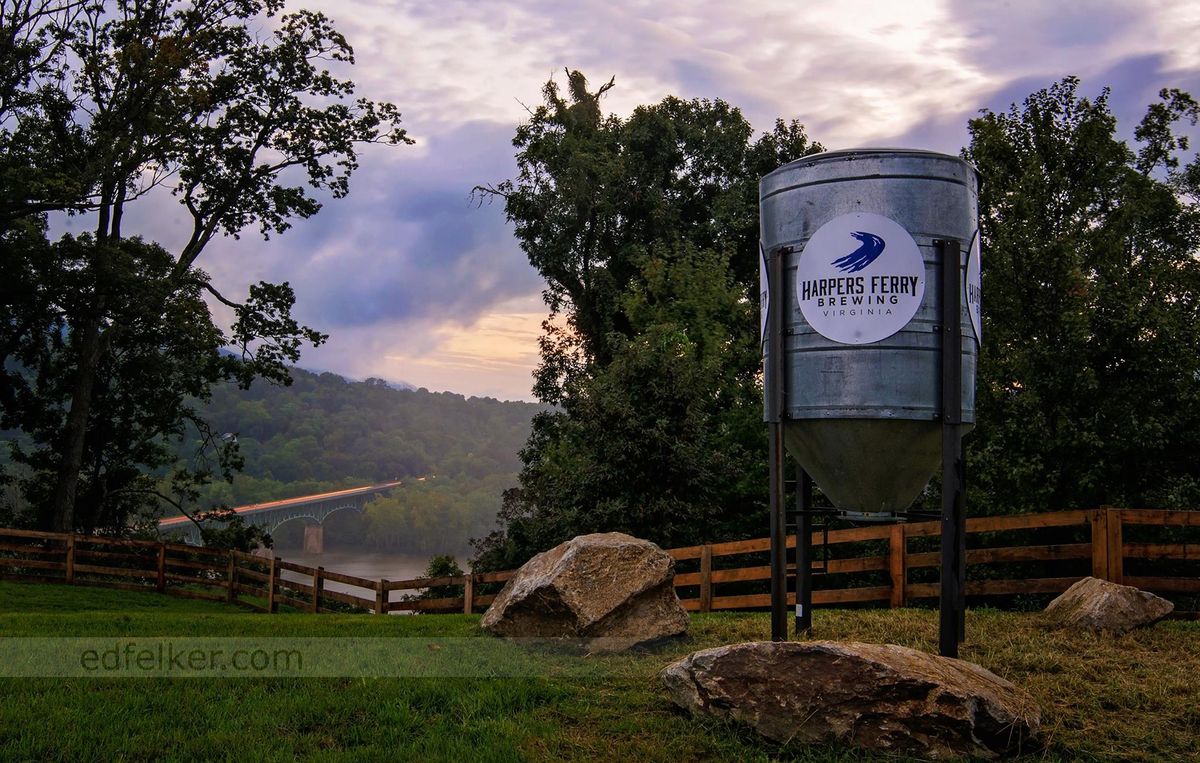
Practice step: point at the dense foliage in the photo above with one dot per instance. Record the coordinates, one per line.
(106, 340)
(441, 566)
(1089, 378)
(646, 232)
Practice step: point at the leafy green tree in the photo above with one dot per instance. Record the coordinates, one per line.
(442, 566)
(102, 104)
(646, 232)
(1089, 376)
(167, 350)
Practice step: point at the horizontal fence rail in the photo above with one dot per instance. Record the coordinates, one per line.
(882, 565)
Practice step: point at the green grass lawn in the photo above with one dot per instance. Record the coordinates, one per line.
(1136, 697)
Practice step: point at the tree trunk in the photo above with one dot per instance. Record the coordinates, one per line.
(91, 348)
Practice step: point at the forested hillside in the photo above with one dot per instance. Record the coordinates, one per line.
(324, 432)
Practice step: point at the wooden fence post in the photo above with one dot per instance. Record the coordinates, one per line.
(272, 577)
(898, 564)
(318, 584)
(160, 569)
(231, 579)
(706, 593)
(381, 597)
(70, 571)
(469, 594)
(1116, 547)
(1099, 520)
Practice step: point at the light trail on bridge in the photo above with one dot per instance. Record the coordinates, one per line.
(271, 514)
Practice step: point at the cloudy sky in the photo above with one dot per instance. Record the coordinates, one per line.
(416, 283)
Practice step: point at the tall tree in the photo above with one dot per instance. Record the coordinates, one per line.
(101, 105)
(646, 232)
(1089, 378)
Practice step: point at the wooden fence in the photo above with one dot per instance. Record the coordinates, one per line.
(1101, 552)
(889, 565)
(195, 572)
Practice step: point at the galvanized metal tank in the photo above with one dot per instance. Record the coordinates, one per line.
(861, 411)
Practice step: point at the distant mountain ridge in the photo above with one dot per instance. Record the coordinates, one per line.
(403, 385)
(325, 431)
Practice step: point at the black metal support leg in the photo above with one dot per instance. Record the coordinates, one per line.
(952, 629)
(961, 500)
(778, 536)
(773, 379)
(804, 554)
(953, 575)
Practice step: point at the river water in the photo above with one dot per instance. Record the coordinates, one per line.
(373, 566)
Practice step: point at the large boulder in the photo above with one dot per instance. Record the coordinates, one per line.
(607, 591)
(1099, 606)
(873, 696)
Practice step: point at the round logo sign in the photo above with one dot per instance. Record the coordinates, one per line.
(764, 298)
(860, 278)
(973, 290)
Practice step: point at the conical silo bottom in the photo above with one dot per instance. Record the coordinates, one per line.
(867, 465)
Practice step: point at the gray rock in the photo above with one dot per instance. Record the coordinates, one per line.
(875, 697)
(1099, 606)
(608, 591)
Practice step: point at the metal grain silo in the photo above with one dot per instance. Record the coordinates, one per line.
(857, 236)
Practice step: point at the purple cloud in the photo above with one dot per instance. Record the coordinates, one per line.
(407, 243)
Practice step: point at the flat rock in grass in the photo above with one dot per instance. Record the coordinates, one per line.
(607, 592)
(1099, 606)
(875, 697)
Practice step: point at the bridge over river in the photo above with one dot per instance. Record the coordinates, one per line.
(311, 509)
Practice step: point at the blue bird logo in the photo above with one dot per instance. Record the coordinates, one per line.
(869, 250)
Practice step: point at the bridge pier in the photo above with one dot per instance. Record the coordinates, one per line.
(314, 539)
